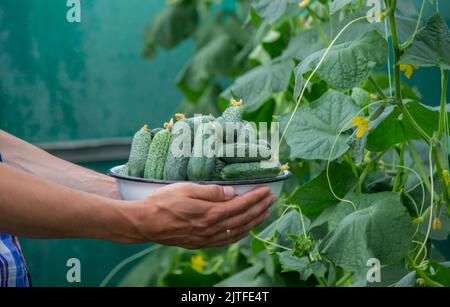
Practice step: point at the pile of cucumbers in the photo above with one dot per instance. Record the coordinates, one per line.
(239, 156)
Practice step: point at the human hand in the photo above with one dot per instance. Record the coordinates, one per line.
(195, 216)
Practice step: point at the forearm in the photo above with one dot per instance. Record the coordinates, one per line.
(34, 160)
(33, 207)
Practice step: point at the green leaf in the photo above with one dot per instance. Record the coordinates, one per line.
(337, 5)
(257, 85)
(271, 10)
(250, 277)
(203, 105)
(292, 263)
(152, 270)
(379, 228)
(431, 45)
(288, 223)
(346, 64)
(390, 131)
(302, 45)
(315, 127)
(361, 97)
(315, 195)
(212, 59)
(169, 28)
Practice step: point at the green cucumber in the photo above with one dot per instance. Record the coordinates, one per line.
(231, 121)
(218, 169)
(177, 160)
(157, 154)
(155, 131)
(254, 170)
(201, 166)
(234, 112)
(244, 153)
(124, 171)
(139, 151)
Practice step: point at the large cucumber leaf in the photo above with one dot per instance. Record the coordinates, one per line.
(301, 265)
(395, 128)
(315, 127)
(347, 64)
(170, 27)
(379, 228)
(271, 10)
(257, 85)
(316, 195)
(431, 46)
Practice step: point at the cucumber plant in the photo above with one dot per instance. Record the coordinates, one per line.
(369, 158)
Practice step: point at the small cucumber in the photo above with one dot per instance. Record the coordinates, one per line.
(124, 171)
(234, 112)
(178, 156)
(254, 170)
(218, 169)
(155, 131)
(157, 154)
(231, 121)
(202, 163)
(244, 153)
(139, 151)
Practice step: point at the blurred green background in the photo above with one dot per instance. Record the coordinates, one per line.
(63, 81)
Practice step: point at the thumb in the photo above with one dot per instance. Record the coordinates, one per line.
(212, 192)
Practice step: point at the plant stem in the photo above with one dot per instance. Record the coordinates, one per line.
(398, 177)
(443, 111)
(411, 38)
(419, 165)
(366, 171)
(318, 22)
(398, 90)
(441, 176)
(377, 88)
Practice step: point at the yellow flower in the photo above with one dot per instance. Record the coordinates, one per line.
(373, 96)
(198, 263)
(437, 224)
(363, 125)
(303, 4)
(236, 103)
(408, 69)
(179, 116)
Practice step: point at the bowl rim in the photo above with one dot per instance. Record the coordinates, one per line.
(113, 172)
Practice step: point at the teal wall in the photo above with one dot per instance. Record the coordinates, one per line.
(64, 81)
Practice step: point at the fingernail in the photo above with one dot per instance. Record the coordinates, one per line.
(228, 192)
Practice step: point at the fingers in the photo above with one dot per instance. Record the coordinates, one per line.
(211, 192)
(247, 216)
(240, 204)
(237, 233)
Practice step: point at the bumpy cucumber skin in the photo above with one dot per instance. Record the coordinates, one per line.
(249, 148)
(157, 154)
(218, 169)
(244, 171)
(233, 114)
(175, 167)
(124, 171)
(155, 131)
(201, 168)
(139, 151)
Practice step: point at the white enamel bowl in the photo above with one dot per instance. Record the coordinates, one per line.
(133, 188)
